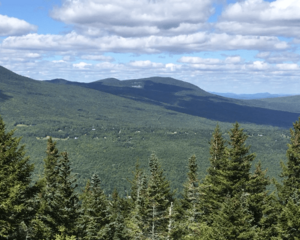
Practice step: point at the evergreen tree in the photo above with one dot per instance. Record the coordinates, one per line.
(289, 190)
(234, 220)
(215, 184)
(118, 213)
(257, 188)
(136, 218)
(58, 201)
(159, 199)
(94, 220)
(291, 171)
(69, 202)
(190, 213)
(239, 162)
(289, 220)
(16, 194)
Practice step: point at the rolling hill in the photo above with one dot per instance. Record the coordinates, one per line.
(107, 125)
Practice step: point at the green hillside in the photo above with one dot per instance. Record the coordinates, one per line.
(107, 133)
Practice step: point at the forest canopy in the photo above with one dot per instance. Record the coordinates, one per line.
(230, 202)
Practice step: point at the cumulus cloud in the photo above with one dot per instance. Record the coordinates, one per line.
(280, 57)
(134, 18)
(10, 26)
(153, 44)
(98, 58)
(259, 17)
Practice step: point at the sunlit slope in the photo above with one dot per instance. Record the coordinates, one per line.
(26, 100)
(290, 104)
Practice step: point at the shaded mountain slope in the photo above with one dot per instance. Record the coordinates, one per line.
(189, 99)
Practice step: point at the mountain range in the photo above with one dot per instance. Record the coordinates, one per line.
(108, 124)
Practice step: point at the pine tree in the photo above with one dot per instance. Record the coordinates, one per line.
(16, 194)
(118, 212)
(135, 221)
(291, 171)
(215, 184)
(239, 161)
(58, 201)
(190, 213)
(289, 220)
(69, 204)
(257, 188)
(288, 192)
(159, 199)
(234, 220)
(94, 220)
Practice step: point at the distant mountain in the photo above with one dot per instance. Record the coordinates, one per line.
(107, 125)
(251, 96)
(183, 97)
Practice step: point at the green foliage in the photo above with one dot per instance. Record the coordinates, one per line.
(15, 190)
(239, 161)
(93, 223)
(159, 199)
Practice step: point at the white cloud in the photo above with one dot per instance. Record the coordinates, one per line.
(134, 18)
(13, 26)
(153, 44)
(287, 66)
(279, 57)
(258, 17)
(81, 65)
(98, 58)
(146, 64)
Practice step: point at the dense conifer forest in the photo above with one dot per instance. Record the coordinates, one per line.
(230, 202)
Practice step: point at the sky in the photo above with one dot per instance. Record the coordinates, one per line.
(237, 46)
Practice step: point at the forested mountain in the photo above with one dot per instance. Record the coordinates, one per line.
(186, 98)
(109, 125)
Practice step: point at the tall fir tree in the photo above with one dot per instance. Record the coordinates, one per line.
(257, 188)
(58, 201)
(289, 220)
(135, 221)
(159, 199)
(215, 184)
(239, 162)
(69, 202)
(94, 219)
(119, 210)
(291, 171)
(16, 194)
(289, 191)
(190, 213)
(234, 220)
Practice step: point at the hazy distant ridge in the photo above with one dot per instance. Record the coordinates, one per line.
(251, 96)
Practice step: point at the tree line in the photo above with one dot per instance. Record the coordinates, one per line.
(231, 202)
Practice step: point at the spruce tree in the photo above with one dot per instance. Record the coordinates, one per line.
(289, 220)
(239, 162)
(291, 171)
(257, 188)
(94, 219)
(58, 201)
(16, 194)
(215, 184)
(118, 212)
(190, 213)
(159, 199)
(69, 202)
(288, 192)
(234, 220)
(135, 221)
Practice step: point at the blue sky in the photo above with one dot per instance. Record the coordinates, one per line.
(245, 46)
